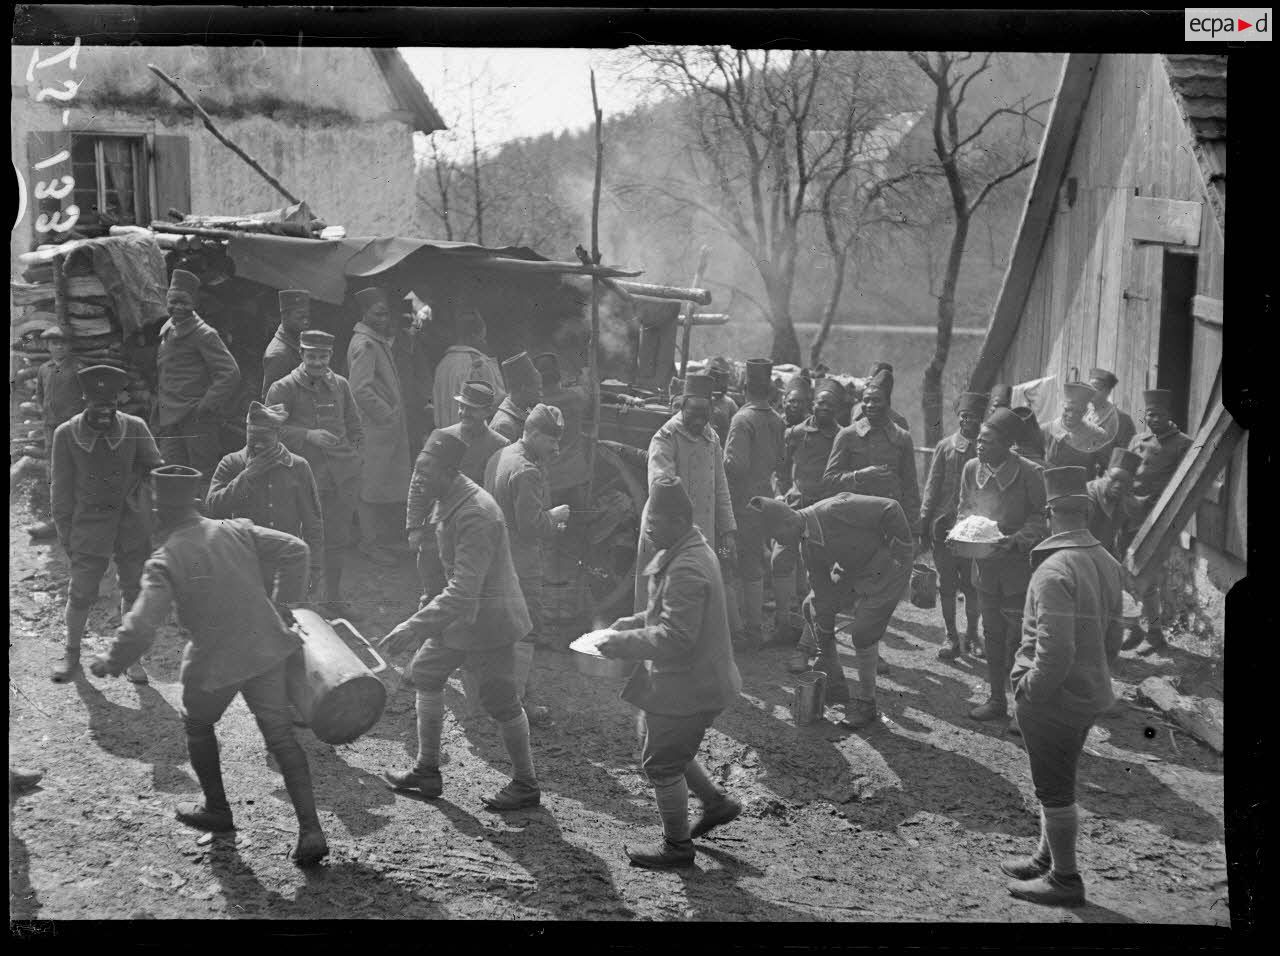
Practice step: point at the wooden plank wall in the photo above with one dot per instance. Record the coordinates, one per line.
(1095, 296)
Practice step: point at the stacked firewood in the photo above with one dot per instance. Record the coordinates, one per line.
(92, 328)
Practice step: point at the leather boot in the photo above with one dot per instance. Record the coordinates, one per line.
(69, 667)
(676, 848)
(994, 709)
(1024, 867)
(859, 714)
(214, 814)
(1132, 638)
(1051, 889)
(952, 650)
(311, 847)
(426, 780)
(1155, 640)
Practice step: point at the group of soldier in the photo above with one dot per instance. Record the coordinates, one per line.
(822, 494)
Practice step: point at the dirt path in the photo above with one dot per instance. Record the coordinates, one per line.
(904, 822)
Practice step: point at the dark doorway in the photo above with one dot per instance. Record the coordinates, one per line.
(1177, 325)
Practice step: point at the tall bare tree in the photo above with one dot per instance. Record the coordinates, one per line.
(974, 154)
(766, 129)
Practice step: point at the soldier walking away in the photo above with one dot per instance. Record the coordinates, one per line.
(1116, 425)
(1071, 440)
(525, 390)
(1161, 447)
(1009, 490)
(753, 458)
(59, 397)
(687, 677)
(517, 480)
(685, 447)
(808, 449)
(464, 362)
(857, 548)
(323, 427)
(284, 351)
(100, 460)
(1110, 496)
(269, 485)
(938, 516)
(375, 383)
(240, 640)
(475, 622)
(198, 378)
(1071, 631)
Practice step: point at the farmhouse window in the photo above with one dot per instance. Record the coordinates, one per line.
(112, 178)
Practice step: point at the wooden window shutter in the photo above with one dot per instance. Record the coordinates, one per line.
(42, 145)
(173, 175)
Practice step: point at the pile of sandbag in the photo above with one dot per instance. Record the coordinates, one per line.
(95, 334)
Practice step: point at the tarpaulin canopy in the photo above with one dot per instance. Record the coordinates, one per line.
(325, 267)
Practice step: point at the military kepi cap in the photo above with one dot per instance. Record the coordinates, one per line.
(520, 373)
(475, 394)
(177, 485)
(1125, 460)
(547, 419)
(1001, 395)
(102, 383)
(1005, 424)
(266, 416)
(1067, 482)
(184, 281)
(449, 449)
(1158, 398)
(972, 402)
(698, 386)
(315, 339)
(368, 298)
(667, 496)
(759, 373)
(1102, 375)
(294, 300)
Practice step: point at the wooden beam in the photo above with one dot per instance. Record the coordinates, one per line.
(1171, 222)
(1200, 467)
(1037, 216)
(1207, 309)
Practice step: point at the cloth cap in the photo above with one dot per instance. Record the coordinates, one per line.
(1006, 424)
(447, 448)
(1125, 460)
(1103, 375)
(882, 381)
(1079, 391)
(177, 485)
(54, 332)
(184, 281)
(368, 298)
(824, 385)
(972, 402)
(548, 366)
(102, 383)
(294, 300)
(759, 373)
(800, 383)
(315, 339)
(1159, 398)
(1067, 482)
(476, 395)
(698, 386)
(773, 514)
(520, 372)
(547, 419)
(266, 416)
(1002, 394)
(668, 497)
(719, 378)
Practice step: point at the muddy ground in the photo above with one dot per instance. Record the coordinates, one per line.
(904, 822)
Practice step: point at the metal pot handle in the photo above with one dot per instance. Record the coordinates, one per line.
(382, 664)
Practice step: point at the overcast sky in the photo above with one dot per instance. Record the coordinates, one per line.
(518, 92)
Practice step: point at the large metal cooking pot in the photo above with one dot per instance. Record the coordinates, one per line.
(334, 691)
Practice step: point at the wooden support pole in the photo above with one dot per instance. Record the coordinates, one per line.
(687, 318)
(60, 296)
(700, 296)
(208, 124)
